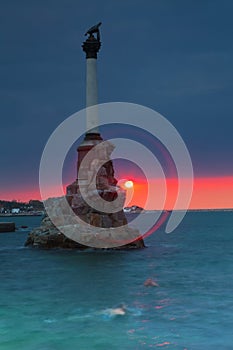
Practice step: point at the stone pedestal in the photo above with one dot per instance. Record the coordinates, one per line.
(103, 186)
(95, 227)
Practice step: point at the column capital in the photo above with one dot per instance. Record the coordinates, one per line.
(91, 47)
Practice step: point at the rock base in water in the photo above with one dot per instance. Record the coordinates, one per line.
(92, 210)
(7, 226)
(47, 236)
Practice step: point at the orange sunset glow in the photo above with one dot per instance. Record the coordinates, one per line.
(208, 193)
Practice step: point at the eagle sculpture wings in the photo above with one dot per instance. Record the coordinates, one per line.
(94, 29)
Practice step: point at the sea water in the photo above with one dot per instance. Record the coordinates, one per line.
(59, 299)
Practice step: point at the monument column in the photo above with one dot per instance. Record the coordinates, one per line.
(91, 47)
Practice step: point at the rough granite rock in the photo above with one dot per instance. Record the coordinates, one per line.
(47, 236)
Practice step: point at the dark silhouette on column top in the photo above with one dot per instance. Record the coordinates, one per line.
(94, 29)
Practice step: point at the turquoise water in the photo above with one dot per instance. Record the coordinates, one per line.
(55, 300)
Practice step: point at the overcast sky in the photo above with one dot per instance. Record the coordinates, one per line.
(175, 56)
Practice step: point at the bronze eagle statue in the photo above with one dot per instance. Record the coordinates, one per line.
(94, 29)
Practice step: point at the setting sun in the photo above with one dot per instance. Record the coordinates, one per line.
(128, 184)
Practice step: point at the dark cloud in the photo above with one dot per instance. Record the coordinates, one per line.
(175, 57)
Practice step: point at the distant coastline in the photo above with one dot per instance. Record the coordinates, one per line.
(22, 214)
(192, 210)
(36, 208)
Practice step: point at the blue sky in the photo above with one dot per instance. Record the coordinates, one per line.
(175, 56)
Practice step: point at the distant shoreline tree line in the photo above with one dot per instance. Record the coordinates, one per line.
(32, 205)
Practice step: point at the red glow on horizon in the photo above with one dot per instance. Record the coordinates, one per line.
(28, 193)
(208, 193)
(212, 193)
(20, 196)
